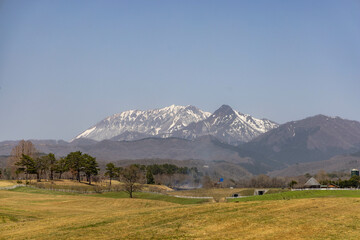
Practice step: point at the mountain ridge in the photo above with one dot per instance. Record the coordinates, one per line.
(187, 122)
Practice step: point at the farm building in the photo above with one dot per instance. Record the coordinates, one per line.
(312, 183)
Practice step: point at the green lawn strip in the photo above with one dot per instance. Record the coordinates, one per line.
(140, 195)
(300, 195)
(277, 190)
(151, 196)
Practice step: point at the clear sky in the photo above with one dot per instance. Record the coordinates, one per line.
(65, 65)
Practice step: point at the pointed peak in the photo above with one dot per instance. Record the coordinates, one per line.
(191, 107)
(224, 110)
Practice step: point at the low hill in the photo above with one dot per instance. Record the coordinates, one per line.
(312, 139)
(342, 163)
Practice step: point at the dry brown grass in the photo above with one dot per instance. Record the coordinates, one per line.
(39, 216)
(7, 183)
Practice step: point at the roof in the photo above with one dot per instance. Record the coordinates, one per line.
(312, 182)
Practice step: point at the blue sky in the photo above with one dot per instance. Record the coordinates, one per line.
(65, 65)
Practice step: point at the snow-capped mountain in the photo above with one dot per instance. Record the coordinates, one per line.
(228, 126)
(186, 122)
(136, 124)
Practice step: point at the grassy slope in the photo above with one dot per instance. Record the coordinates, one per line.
(44, 216)
(300, 195)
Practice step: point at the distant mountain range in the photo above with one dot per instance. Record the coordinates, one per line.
(186, 122)
(225, 143)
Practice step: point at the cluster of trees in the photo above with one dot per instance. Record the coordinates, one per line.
(134, 175)
(45, 166)
(26, 161)
(149, 173)
(353, 182)
(169, 169)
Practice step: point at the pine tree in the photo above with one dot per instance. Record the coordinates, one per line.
(149, 177)
(111, 171)
(75, 162)
(90, 167)
(61, 166)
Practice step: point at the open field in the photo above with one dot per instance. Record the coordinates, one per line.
(30, 215)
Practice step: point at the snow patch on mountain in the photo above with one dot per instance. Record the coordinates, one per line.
(86, 133)
(144, 123)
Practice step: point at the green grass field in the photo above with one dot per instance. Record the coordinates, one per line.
(27, 213)
(219, 194)
(300, 195)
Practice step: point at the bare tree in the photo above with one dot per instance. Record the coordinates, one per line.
(23, 148)
(131, 175)
(321, 176)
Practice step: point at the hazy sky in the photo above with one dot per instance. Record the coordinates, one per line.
(65, 65)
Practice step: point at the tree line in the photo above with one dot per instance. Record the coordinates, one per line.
(150, 172)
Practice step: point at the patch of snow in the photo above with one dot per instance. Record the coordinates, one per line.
(86, 133)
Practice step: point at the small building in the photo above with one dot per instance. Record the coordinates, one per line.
(312, 183)
(354, 172)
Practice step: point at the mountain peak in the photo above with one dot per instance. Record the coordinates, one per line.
(224, 110)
